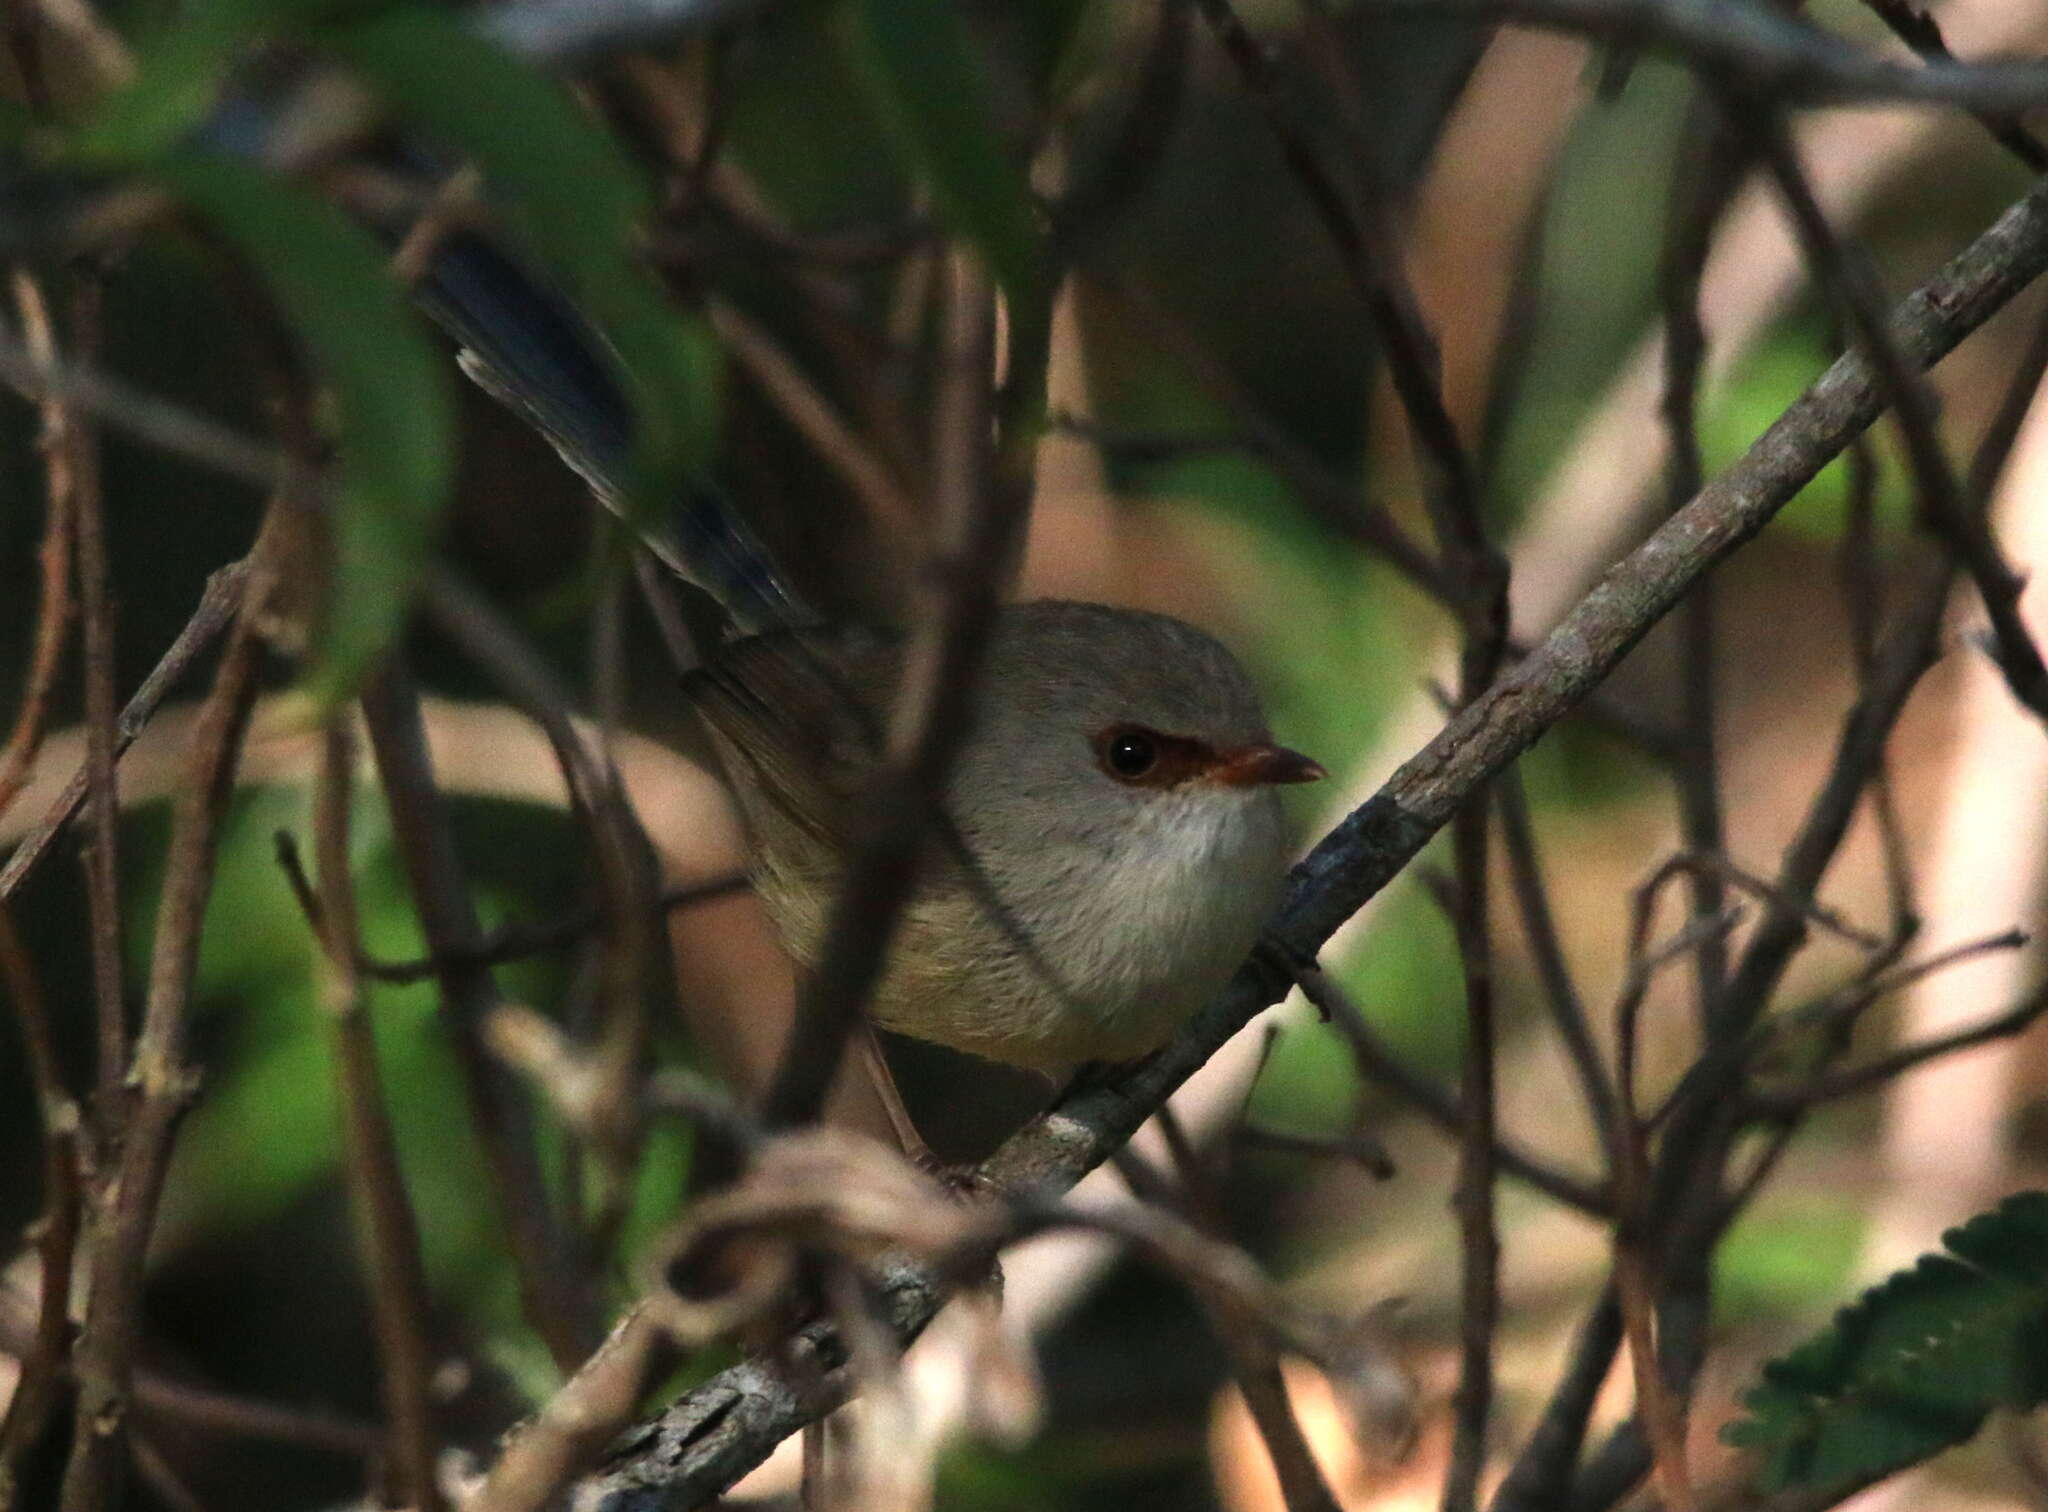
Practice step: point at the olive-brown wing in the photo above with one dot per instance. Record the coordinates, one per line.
(798, 719)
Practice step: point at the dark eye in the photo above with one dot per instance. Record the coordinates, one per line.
(1130, 754)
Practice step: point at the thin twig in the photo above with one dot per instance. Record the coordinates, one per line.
(1848, 1083)
(43, 1363)
(53, 604)
(1567, 1009)
(520, 940)
(1378, 1063)
(1361, 1149)
(1699, 201)
(216, 610)
(893, 512)
(1943, 505)
(621, 864)
(552, 1292)
(1777, 54)
(1333, 499)
(385, 1225)
(151, 420)
(1254, 1361)
(159, 1083)
(1130, 161)
(1919, 30)
(544, 1452)
(103, 794)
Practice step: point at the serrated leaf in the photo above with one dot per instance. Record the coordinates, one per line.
(1915, 1364)
(394, 433)
(567, 192)
(919, 61)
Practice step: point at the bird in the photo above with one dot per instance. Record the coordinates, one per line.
(1112, 837)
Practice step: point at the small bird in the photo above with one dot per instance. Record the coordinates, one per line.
(1111, 840)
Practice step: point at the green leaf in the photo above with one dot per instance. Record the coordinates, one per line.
(919, 60)
(1916, 1364)
(395, 433)
(179, 69)
(567, 192)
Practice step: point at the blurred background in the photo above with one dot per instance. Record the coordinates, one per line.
(1221, 433)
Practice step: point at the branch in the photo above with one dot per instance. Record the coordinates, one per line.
(551, 1293)
(1790, 1100)
(387, 1229)
(1792, 61)
(215, 612)
(721, 1429)
(159, 1082)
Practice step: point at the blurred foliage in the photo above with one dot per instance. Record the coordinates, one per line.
(854, 116)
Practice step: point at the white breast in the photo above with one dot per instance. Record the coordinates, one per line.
(1159, 921)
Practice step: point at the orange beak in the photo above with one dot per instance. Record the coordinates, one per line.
(1263, 763)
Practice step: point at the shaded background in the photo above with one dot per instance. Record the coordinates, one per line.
(1207, 307)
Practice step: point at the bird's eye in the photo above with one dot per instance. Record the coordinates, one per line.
(1128, 754)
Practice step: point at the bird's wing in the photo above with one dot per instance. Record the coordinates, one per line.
(799, 719)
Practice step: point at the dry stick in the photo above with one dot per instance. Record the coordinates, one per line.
(1560, 995)
(1920, 31)
(247, 1417)
(1702, 195)
(890, 507)
(1659, 1406)
(39, 1382)
(1361, 1149)
(1377, 1062)
(53, 604)
(216, 610)
(516, 941)
(621, 863)
(553, 1300)
(1684, 1184)
(1838, 1013)
(1334, 500)
(150, 420)
(1944, 507)
(1779, 1102)
(387, 1232)
(1363, 235)
(164, 1482)
(1473, 1199)
(983, 503)
(159, 1084)
(1788, 58)
(103, 795)
(1796, 59)
(1254, 1361)
(72, 464)
(1892, 673)
(1858, 574)
(723, 1428)
(1961, 524)
(594, 1404)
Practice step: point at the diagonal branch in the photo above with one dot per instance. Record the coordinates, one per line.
(721, 1429)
